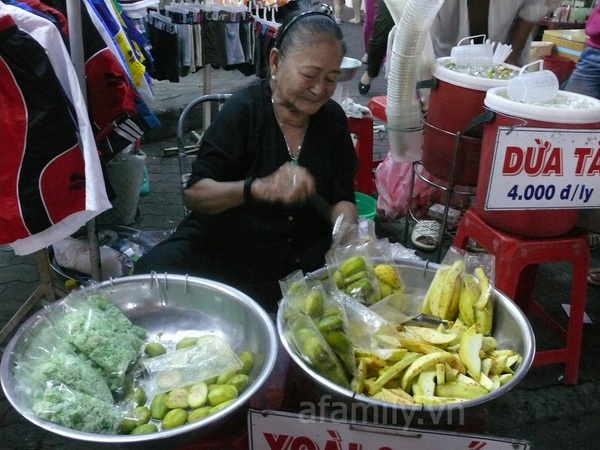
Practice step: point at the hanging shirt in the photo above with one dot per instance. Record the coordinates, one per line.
(51, 182)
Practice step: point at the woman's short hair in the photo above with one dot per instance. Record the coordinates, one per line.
(303, 27)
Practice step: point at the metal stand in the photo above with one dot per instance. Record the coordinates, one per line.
(448, 189)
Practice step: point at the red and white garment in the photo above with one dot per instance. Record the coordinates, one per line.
(51, 183)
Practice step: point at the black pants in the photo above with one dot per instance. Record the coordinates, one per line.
(382, 25)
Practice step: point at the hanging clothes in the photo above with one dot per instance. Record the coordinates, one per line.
(162, 34)
(51, 182)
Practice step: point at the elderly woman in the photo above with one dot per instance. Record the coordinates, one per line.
(275, 169)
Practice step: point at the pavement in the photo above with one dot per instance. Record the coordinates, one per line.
(541, 410)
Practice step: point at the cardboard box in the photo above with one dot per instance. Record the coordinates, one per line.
(538, 50)
(568, 43)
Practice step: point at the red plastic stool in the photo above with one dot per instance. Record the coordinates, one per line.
(517, 260)
(363, 129)
(377, 106)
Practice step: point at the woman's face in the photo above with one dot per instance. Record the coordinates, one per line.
(307, 77)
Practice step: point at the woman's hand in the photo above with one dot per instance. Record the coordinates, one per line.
(290, 185)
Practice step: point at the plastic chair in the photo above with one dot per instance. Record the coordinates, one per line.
(517, 260)
(363, 130)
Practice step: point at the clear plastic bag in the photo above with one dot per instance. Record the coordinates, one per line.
(476, 302)
(313, 299)
(367, 330)
(351, 270)
(310, 344)
(94, 334)
(210, 357)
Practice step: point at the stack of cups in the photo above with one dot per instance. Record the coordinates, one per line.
(403, 108)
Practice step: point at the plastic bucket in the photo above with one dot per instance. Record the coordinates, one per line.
(453, 103)
(366, 205)
(560, 65)
(528, 222)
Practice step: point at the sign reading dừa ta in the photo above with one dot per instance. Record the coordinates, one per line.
(541, 168)
(275, 430)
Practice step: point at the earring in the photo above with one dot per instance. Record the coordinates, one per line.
(273, 77)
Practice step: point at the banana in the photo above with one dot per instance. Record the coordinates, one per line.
(356, 277)
(431, 301)
(358, 380)
(456, 389)
(470, 345)
(388, 275)
(448, 298)
(413, 345)
(393, 371)
(359, 288)
(469, 294)
(352, 265)
(427, 362)
(484, 305)
(483, 320)
(343, 348)
(338, 278)
(330, 323)
(484, 286)
(434, 401)
(384, 289)
(313, 304)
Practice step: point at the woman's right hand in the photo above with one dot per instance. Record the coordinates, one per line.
(290, 184)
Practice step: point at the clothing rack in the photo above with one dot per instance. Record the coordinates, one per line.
(46, 289)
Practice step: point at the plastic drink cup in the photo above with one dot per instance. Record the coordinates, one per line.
(475, 54)
(533, 87)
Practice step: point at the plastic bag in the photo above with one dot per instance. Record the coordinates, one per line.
(476, 302)
(310, 344)
(462, 288)
(97, 336)
(77, 410)
(210, 357)
(393, 187)
(125, 174)
(367, 330)
(443, 295)
(312, 298)
(351, 270)
(347, 233)
(74, 254)
(51, 360)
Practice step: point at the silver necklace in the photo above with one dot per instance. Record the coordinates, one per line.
(299, 148)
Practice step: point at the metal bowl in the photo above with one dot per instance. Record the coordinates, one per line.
(349, 68)
(511, 329)
(171, 305)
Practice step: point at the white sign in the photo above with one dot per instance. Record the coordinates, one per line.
(541, 168)
(274, 430)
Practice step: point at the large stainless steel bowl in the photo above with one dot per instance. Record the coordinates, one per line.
(171, 305)
(511, 329)
(348, 69)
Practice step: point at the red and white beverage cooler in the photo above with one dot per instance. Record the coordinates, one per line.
(539, 163)
(456, 99)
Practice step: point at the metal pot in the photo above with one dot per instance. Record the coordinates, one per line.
(170, 305)
(511, 329)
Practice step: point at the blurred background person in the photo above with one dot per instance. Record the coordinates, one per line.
(377, 49)
(585, 80)
(504, 21)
